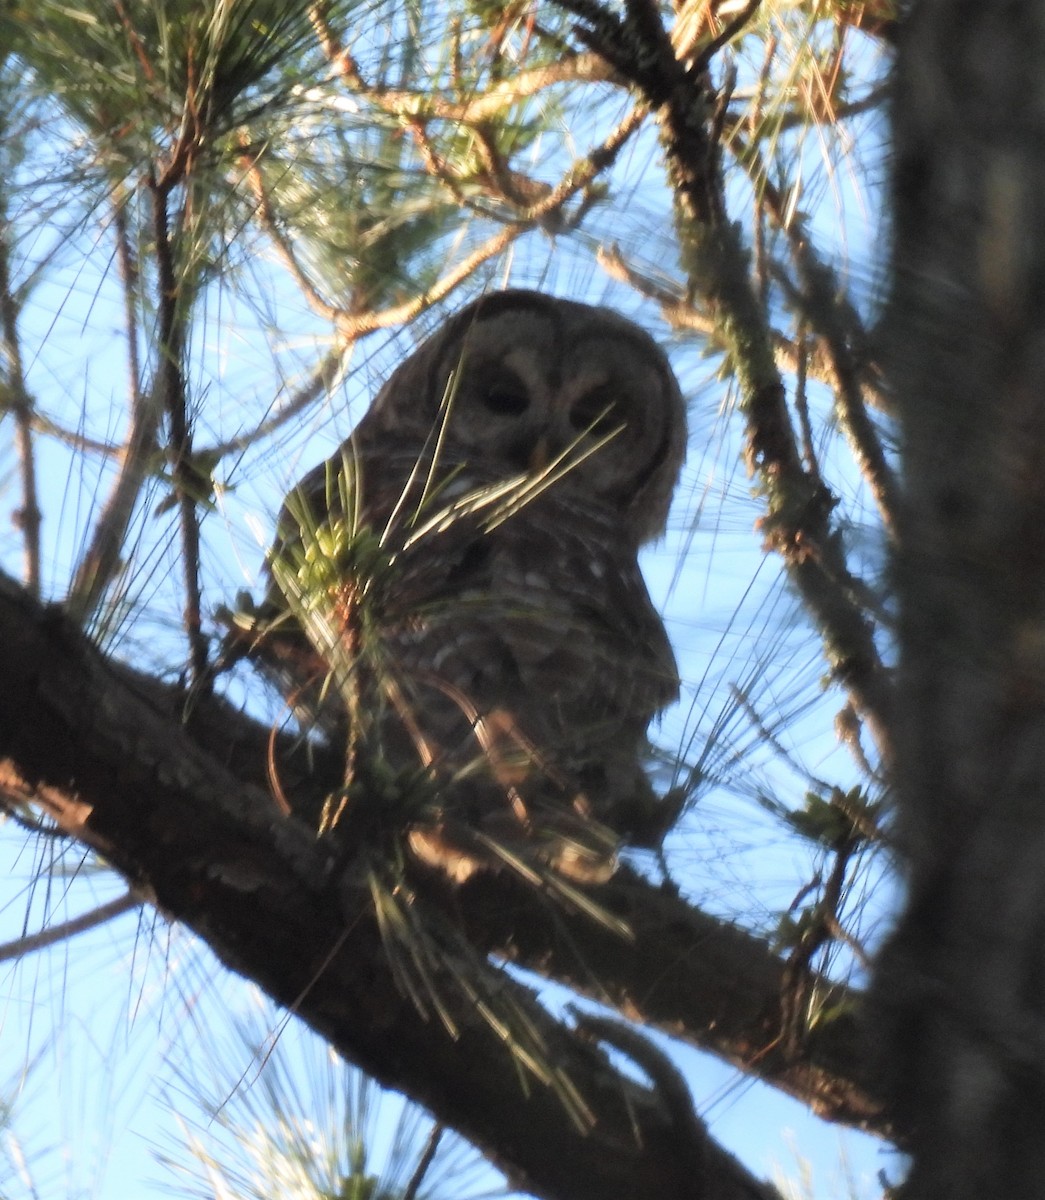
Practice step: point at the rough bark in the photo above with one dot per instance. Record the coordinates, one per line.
(187, 821)
(963, 980)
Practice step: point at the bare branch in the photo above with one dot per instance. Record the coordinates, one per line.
(270, 224)
(841, 332)
(681, 314)
(18, 401)
(839, 327)
(423, 106)
(173, 315)
(435, 1135)
(75, 439)
(354, 325)
(67, 929)
(100, 561)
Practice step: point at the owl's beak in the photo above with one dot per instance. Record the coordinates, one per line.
(540, 455)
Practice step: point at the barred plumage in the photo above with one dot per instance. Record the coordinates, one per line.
(466, 573)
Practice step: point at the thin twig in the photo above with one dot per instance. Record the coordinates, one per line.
(515, 189)
(101, 561)
(824, 926)
(435, 1135)
(583, 173)
(284, 248)
(170, 373)
(585, 67)
(841, 330)
(354, 325)
(73, 438)
(323, 380)
(802, 407)
(67, 929)
(759, 215)
(129, 274)
(727, 34)
(690, 1135)
(681, 314)
(801, 117)
(19, 401)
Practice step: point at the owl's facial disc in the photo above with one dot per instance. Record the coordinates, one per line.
(540, 381)
(529, 395)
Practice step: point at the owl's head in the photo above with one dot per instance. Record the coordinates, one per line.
(532, 379)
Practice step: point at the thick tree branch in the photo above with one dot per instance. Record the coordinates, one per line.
(275, 905)
(188, 819)
(697, 978)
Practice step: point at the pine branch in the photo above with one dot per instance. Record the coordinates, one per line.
(142, 781)
(68, 929)
(798, 523)
(682, 314)
(272, 902)
(18, 401)
(173, 317)
(426, 105)
(101, 560)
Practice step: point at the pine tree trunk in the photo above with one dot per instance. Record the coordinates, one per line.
(963, 980)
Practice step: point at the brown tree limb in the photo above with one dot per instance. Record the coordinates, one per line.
(188, 818)
(275, 905)
(798, 522)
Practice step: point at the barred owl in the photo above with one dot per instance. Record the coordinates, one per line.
(465, 576)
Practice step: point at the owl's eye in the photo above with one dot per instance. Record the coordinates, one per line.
(597, 412)
(502, 393)
(506, 402)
